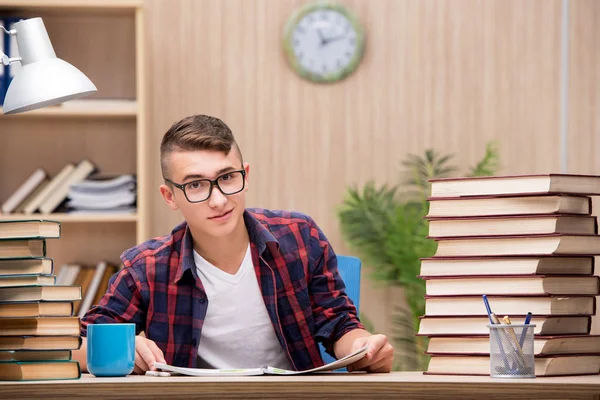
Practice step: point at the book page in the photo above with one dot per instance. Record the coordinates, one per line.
(341, 363)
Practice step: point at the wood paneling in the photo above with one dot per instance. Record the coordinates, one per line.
(448, 75)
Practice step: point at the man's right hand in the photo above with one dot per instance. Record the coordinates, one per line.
(146, 354)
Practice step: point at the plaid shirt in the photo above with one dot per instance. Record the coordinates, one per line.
(159, 290)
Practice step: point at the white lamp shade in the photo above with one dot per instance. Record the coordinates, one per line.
(45, 83)
(43, 80)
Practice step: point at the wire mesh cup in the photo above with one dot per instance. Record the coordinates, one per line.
(511, 351)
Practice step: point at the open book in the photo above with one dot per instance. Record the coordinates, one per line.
(266, 370)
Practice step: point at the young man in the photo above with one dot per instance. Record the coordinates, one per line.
(231, 287)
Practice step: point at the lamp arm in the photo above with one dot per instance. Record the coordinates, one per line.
(3, 57)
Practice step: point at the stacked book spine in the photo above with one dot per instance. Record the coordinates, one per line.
(528, 243)
(37, 328)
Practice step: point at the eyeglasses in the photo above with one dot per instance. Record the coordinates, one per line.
(197, 191)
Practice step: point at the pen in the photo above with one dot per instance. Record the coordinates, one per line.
(524, 332)
(493, 321)
(515, 341)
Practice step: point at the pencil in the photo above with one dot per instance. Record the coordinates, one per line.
(515, 340)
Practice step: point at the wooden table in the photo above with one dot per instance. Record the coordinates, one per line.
(397, 385)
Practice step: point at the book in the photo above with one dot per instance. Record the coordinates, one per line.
(27, 280)
(32, 196)
(478, 325)
(34, 355)
(22, 248)
(34, 203)
(40, 342)
(510, 305)
(510, 265)
(103, 286)
(549, 244)
(26, 188)
(519, 205)
(59, 193)
(39, 326)
(511, 225)
(508, 285)
(31, 228)
(264, 370)
(26, 266)
(37, 309)
(516, 185)
(48, 370)
(542, 345)
(89, 294)
(83, 280)
(557, 365)
(40, 293)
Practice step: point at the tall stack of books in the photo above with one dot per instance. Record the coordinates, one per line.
(528, 243)
(37, 328)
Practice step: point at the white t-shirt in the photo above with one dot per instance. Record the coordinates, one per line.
(237, 331)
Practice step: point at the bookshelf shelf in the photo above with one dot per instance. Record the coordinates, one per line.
(64, 217)
(84, 109)
(105, 40)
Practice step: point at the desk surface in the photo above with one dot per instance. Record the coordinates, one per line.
(408, 385)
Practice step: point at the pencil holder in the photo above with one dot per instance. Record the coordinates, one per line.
(511, 351)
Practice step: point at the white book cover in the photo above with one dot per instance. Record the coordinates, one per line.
(90, 293)
(24, 190)
(59, 193)
(49, 189)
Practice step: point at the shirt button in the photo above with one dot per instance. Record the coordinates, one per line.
(202, 299)
(194, 343)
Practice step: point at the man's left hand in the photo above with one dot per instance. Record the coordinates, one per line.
(379, 357)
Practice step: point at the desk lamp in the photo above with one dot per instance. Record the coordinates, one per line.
(44, 80)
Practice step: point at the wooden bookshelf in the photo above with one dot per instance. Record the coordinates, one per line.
(104, 39)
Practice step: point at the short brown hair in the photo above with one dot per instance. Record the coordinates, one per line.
(196, 132)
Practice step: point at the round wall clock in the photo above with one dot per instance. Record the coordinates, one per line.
(324, 42)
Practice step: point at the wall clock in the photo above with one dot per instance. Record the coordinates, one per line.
(323, 42)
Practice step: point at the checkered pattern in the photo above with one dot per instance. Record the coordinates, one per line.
(159, 289)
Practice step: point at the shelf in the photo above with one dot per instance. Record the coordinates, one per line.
(63, 217)
(75, 4)
(84, 109)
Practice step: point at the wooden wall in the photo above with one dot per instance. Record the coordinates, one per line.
(447, 75)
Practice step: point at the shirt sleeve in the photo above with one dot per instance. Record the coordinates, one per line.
(333, 311)
(122, 303)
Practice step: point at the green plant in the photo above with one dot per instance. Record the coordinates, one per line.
(385, 226)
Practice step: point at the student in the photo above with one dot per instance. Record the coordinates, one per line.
(231, 287)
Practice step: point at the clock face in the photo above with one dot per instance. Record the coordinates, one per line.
(324, 42)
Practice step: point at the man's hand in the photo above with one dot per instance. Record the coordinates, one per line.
(379, 357)
(146, 354)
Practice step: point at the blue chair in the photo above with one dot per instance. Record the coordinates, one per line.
(349, 269)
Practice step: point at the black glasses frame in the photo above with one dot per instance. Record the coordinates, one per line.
(213, 183)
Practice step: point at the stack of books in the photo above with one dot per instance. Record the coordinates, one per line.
(528, 243)
(103, 194)
(37, 328)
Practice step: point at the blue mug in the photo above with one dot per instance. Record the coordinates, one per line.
(110, 349)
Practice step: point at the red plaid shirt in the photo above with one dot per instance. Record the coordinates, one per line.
(159, 290)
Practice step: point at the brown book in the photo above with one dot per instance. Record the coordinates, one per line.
(510, 305)
(83, 280)
(33, 371)
(542, 345)
(22, 248)
(515, 185)
(40, 342)
(510, 285)
(35, 355)
(103, 286)
(37, 309)
(33, 228)
(519, 205)
(40, 293)
(511, 225)
(551, 244)
(39, 326)
(26, 266)
(557, 365)
(512, 265)
(478, 325)
(27, 280)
